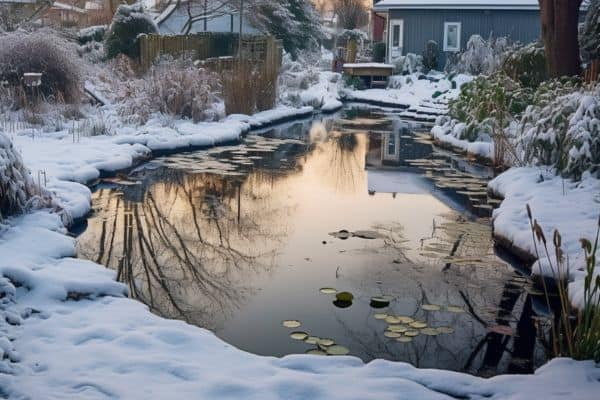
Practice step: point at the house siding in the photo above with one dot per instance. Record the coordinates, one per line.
(423, 25)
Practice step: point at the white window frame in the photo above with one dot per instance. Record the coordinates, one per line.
(458, 34)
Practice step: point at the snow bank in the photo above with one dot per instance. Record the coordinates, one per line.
(449, 137)
(74, 335)
(570, 207)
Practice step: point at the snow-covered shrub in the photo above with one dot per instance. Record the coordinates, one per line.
(481, 56)
(91, 34)
(40, 52)
(379, 50)
(527, 64)
(408, 64)
(171, 86)
(17, 189)
(430, 55)
(128, 23)
(590, 36)
(563, 133)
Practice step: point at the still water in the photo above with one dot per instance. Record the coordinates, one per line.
(239, 239)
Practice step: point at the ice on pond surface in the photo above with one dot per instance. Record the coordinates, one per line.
(238, 240)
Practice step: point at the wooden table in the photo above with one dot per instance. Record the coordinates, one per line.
(374, 73)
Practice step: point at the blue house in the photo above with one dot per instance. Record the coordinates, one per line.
(411, 23)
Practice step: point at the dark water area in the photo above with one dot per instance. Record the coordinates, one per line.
(245, 239)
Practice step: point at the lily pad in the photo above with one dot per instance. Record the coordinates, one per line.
(343, 234)
(454, 309)
(445, 329)
(337, 350)
(379, 302)
(344, 296)
(366, 234)
(298, 335)
(404, 339)
(397, 328)
(430, 307)
(430, 331)
(392, 334)
(404, 319)
(328, 290)
(390, 319)
(411, 333)
(342, 304)
(312, 340)
(316, 352)
(380, 316)
(291, 323)
(326, 342)
(418, 325)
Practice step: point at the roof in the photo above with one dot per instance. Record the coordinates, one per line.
(459, 4)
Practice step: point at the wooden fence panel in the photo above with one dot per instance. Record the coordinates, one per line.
(592, 73)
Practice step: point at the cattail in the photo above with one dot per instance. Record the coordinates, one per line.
(586, 245)
(557, 239)
(539, 233)
(529, 212)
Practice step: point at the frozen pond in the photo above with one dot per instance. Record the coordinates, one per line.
(245, 239)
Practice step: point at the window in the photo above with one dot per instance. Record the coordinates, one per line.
(396, 36)
(452, 36)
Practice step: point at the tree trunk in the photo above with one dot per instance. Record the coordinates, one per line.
(560, 19)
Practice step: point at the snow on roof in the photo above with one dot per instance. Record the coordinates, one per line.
(68, 7)
(460, 4)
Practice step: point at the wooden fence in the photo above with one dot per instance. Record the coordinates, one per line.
(592, 73)
(203, 46)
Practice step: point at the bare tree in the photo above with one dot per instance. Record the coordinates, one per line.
(351, 14)
(560, 20)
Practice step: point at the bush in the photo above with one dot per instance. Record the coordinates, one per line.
(430, 55)
(40, 52)
(527, 65)
(408, 64)
(481, 56)
(128, 23)
(379, 52)
(91, 34)
(354, 82)
(171, 86)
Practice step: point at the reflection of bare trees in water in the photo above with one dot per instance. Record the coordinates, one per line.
(345, 154)
(190, 248)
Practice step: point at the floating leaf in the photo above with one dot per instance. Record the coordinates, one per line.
(366, 234)
(397, 328)
(328, 290)
(391, 334)
(430, 331)
(291, 323)
(411, 333)
(430, 307)
(343, 234)
(390, 319)
(445, 329)
(404, 339)
(380, 316)
(312, 340)
(316, 352)
(344, 296)
(418, 325)
(404, 320)
(337, 350)
(342, 304)
(379, 302)
(326, 342)
(298, 335)
(455, 309)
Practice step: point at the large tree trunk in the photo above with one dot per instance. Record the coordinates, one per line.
(560, 19)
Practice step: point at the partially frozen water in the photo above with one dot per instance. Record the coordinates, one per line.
(240, 239)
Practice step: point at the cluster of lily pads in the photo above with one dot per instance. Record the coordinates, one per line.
(403, 328)
(323, 346)
(444, 176)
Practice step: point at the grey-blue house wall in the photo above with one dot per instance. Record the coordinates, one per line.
(423, 25)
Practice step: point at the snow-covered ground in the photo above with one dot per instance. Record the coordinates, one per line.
(69, 333)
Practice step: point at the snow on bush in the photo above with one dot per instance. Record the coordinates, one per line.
(480, 56)
(17, 188)
(430, 56)
(129, 22)
(408, 64)
(590, 36)
(45, 53)
(174, 87)
(91, 34)
(527, 64)
(563, 133)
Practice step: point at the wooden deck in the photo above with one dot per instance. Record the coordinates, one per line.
(374, 74)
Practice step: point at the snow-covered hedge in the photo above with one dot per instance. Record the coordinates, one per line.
(527, 65)
(563, 133)
(128, 23)
(408, 64)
